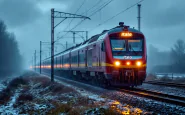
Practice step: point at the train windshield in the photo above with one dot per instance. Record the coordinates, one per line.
(124, 47)
(118, 45)
(135, 45)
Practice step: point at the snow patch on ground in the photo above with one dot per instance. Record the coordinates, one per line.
(8, 109)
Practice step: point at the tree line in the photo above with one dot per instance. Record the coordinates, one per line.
(10, 58)
(172, 61)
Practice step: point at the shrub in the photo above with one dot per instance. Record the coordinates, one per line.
(165, 79)
(17, 82)
(151, 77)
(25, 97)
(60, 108)
(5, 96)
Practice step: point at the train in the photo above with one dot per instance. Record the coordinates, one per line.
(115, 57)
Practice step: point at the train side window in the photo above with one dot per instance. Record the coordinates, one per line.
(103, 46)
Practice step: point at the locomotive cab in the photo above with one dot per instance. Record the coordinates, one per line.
(127, 56)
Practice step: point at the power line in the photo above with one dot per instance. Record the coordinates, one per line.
(75, 13)
(92, 6)
(102, 6)
(82, 13)
(117, 14)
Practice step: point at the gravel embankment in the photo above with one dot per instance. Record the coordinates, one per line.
(147, 105)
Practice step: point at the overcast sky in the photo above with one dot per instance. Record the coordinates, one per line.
(162, 22)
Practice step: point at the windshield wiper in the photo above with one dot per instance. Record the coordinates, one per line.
(133, 49)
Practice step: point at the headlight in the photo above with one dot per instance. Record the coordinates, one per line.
(128, 63)
(138, 63)
(117, 63)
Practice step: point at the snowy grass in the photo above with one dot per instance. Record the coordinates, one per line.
(35, 94)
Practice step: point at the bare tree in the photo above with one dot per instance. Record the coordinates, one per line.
(10, 58)
(178, 55)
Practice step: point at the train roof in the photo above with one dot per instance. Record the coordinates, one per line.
(120, 29)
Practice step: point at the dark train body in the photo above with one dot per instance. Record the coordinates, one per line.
(114, 57)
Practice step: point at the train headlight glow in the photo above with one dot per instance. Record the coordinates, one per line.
(138, 63)
(128, 63)
(117, 63)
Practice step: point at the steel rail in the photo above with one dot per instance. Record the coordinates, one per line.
(172, 84)
(162, 97)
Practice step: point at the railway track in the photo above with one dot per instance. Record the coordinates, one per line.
(162, 97)
(171, 84)
(172, 99)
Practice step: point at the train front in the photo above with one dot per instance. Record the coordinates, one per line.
(127, 55)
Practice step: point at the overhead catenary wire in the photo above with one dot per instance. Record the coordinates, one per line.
(92, 7)
(76, 12)
(82, 13)
(116, 15)
(101, 7)
(73, 18)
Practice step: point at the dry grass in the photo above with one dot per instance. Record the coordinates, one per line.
(15, 83)
(165, 78)
(35, 89)
(59, 108)
(151, 77)
(6, 94)
(24, 98)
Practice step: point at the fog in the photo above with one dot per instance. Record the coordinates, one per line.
(167, 61)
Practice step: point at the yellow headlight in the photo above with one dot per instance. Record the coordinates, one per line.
(138, 63)
(128, 63)
(117, 63)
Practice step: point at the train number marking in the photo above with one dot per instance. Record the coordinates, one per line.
(127, 57)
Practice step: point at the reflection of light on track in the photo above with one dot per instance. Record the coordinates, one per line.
(114, 105)
(124, 109)
(172, 99)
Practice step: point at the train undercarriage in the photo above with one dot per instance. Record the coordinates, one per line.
(128, 78)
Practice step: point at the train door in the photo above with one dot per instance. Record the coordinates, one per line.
(102, 54)
(99, 56)
(85, 58)
(89, 58)
(95, 56)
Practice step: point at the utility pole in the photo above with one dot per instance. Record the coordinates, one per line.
(53, 26)
(139, 17)
(40, 56)
(35, 60)
(86, 35)
(32, 62)
(66, 44)
(52, 45)
(73, 37)
(76, 32)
